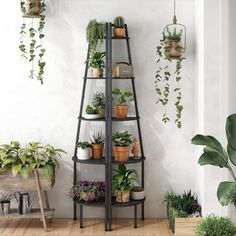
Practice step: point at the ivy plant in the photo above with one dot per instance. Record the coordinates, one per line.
(34, 35)
(162, 83)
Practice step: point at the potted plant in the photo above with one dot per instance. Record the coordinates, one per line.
(97, 142)
(95, 33)
(182, 209)
(83, 150)
(214, 225)
(33, 9)
(123, 180)
(99, 102)
(88, 191)
(122, 142)
(137, 193)
(91, 113)
(172, 41)
(122, 97)
(216, 155)
(96, 61)
(18, 163)
(5, 201)
(119, 26)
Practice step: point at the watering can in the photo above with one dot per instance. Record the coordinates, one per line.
(24, 203)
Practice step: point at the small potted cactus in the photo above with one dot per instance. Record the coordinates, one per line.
(83, 151)
(137, 193)
(91, 113)
(97, 141)
(119, 27)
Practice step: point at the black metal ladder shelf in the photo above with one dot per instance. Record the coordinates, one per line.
(108, 161)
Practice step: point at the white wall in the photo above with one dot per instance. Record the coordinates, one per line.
(48, 113)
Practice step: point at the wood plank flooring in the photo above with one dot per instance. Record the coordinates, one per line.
(95, 227)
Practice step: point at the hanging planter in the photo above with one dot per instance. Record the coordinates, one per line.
(32, 33)
(170, 51)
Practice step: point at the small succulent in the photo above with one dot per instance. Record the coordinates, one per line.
(97, 138)
(90, 110)
(123, 139)
(137, 189)
(84, 145)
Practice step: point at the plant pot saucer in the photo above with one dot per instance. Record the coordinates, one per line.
(31, 16)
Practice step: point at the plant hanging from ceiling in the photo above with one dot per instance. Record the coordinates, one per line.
(169, 64)
(31, 33)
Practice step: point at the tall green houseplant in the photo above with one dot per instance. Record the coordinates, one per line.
(216, 155)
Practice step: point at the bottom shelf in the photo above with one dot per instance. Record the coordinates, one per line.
(35, 213)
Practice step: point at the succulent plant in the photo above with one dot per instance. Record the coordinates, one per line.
(137, 189)
(119, 22)
(97, 138)
(90, 110)
(84, 145)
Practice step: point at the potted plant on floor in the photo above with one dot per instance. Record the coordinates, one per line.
(172, 41)
(122, 142)
(97, 142)
(18, 163)
(5, 201)
(83, 150)
(96, 61)
(88, 191)
(122, 98)
(214, 225)
(91, 113)
(119, 26)
(99, 102)
(123, 180)
(137, 193)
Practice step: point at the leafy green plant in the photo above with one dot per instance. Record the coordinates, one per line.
(137, 189)
(97, 138)
(90, 110)
(95, 32)
(24, 160)
(6, 197)
(172, 36)
(98, 101)
(123, 139)
(119, 22)
(36, 35)
(97, 59)
(162, 84)
(124, 178)
(83, 145)
(214, 154)
(216, 226)
(123, 97)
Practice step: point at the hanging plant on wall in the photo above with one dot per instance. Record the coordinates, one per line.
(31, 36)
(169, 64)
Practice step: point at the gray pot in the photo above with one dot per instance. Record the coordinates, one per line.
(137, 195)
(5, 206)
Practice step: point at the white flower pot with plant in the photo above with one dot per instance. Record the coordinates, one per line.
(97, 142)
(123, 180)
(83, 150)
(122, 142)
(91, 113)
(137, 193)
(96, 61)
(5, 201)
(122, 99)
(99, 103)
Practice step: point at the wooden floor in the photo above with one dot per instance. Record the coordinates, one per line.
(67, 227)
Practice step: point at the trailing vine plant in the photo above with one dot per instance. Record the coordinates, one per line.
(163, 83)
(35, 50)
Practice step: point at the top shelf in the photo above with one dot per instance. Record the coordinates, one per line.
(122, 78)
(115, 37)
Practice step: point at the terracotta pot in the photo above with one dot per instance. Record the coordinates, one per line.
(87, 197)
(97, 72)
(119, 32)
(122, 196)
(34, 11)
(102, 112)
(97, 151)
(121, 111)
(121, 153)
(173, 49)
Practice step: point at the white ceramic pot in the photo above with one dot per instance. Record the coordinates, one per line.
(92, 116)
(137, 195)
(83, 154)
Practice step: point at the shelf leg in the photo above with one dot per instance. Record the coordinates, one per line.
(40, 200)
(135, 216)
(142, 211)
(81, 217)
(47, 203)
(75, 211)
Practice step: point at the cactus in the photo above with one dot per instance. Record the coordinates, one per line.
(90, 110)
(119, 22)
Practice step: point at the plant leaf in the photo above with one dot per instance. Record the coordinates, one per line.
(211, 158)
(223, 191)
(232, 154)
(15, 169)
(231, 130)
(48, 171)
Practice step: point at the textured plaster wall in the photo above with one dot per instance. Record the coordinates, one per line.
(49, 113)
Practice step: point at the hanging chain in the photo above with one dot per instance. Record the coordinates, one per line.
(174, 18)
